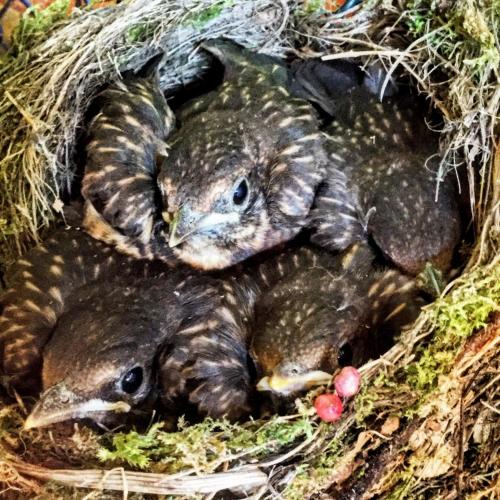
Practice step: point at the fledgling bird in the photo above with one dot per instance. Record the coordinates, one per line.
(38, 287)
(100, 358)
(125, 140)
(331, 311)
(244, 166)
(249, 168)
(384, 176)
(97, 321)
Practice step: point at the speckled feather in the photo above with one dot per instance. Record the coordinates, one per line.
(92, 313)
(382, 181)
(125, 140)
(326, 303)
(206, 363)
(255, 127)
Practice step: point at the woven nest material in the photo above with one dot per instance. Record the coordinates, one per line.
(426, 421)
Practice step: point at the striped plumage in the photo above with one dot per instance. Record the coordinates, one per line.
(249, 167)
(250, 130)
(38, 287)
(94, 315)
(384, 181)
(206, 364)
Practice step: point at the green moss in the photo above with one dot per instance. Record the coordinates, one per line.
(431, 281)
(455, 317)
(203, 446)
(10, 422)
(36, 22)
(464, 32)
(139, 33)
(368, 395)
(312, 6)
(452, 318)
(404, 481)
(200, 19)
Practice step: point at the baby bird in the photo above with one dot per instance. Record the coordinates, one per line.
(244, 166)
(331, 311)
(38, 287)
(97, 322)
(100, 358)
(384, 177)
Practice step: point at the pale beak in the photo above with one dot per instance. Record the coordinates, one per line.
(295, 383)
(58, 404)
(187, 222)
(184, 223)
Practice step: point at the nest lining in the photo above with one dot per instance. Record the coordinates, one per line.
(426, 414)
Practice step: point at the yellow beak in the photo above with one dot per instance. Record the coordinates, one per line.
(289, 384)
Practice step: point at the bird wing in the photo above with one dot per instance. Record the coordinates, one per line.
(324, 84)
(206, 363)
(38, 288)
(382, 182)
(126, 138)
(411, 216)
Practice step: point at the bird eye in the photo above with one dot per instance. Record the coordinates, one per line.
(345, 355)
(132, 380)
(240, 193)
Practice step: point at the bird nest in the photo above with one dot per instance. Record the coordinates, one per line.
(425, 423)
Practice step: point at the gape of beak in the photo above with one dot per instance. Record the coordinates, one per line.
(290, 384)
(187, 222)
(58, 404)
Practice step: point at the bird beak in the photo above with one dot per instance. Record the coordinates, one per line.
(289, 384)
(58, 404)
(186, 222)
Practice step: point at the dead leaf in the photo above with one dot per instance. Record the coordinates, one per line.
(417, 439)
(390, 426)
(434, 425)
(58, 205)
(439, 464)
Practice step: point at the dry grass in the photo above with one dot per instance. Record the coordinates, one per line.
(426, 421)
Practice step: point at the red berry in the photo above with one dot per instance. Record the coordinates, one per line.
(329, 407)
(347, 382)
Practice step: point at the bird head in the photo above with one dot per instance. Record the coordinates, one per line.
(217, 216)
(314, 349)
(241, 173)
(306, 327)
(98, 362)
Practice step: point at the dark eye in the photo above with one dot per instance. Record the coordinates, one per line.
(240, 193)
(345, 355)
(132, 380)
